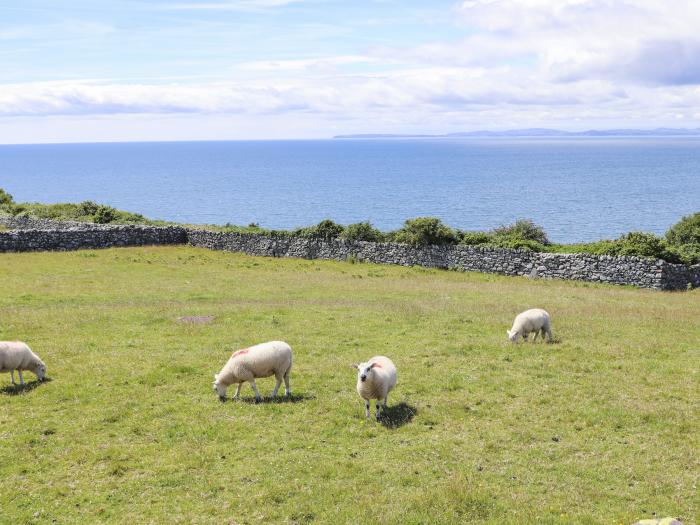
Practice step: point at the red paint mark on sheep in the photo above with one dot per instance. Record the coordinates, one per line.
(240, 352)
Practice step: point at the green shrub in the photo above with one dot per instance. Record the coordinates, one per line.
(5, 198)
(474, 238)
(642, 244)
(686, 231)
(105, 215)
(686, 253)
(326, 229)
(87, 208)
(513, 243)
(362, 231)
(425, 231)
(522, 230)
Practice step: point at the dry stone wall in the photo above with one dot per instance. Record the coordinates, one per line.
(84, 238)
(43, 235)
(645, 273)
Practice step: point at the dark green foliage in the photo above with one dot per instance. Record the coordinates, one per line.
(474, 238)
(636, 244)
(5, 198)
(514, 243)
(362, 231)
(687, 253)
(105, 215)
(326, 229)
(87, 208)
(643, 245)
(424, 231)
(522, 230)
(686, 231)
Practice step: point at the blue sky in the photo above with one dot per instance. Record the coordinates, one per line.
(249, 69)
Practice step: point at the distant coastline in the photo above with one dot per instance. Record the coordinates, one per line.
(538, 132)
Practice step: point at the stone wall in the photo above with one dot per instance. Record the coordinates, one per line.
(645, 273)
(40, 235)
(82, 238)
(32, 223)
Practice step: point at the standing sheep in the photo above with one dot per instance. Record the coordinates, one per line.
(375, 379)
(534, 320)
(263, 360)
(15, 355)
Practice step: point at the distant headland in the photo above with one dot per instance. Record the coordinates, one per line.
(540, 132)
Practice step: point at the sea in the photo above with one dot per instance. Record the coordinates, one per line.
(578, 189)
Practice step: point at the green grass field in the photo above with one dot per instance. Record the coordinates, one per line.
(601, 427)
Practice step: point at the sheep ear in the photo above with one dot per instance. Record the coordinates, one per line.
(355, 366)
(373, 365)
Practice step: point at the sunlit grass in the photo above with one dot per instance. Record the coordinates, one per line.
(601, 427)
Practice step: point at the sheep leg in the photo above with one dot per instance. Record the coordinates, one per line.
(277, 386)
(287, 391)
(367, 409)
(238, 391)
(534, 337)
(255, 389)
(385, 400)
(379, 409)
(12, 375)
(21, 379)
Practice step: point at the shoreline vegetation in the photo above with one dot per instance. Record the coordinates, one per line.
(680, 244)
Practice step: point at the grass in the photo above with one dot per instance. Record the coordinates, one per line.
(601, 427)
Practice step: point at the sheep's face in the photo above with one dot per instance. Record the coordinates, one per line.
(364, 371)
(41, 372)
(219, 388)
(513, 336)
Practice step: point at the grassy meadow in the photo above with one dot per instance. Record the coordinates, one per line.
(602, 427)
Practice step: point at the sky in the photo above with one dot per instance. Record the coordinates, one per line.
(132, 70)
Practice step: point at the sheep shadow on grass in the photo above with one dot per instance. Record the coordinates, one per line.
(280, 399)
(17, 390)
(398, 415)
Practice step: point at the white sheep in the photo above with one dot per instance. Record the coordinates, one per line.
(248, 364)
(534, 320)
(375, 379)
(15, 355)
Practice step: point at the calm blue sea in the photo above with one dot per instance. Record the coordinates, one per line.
(579, 189)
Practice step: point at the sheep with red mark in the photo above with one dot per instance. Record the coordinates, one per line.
(15, 355)
(375, 379)
(249, 364)
(535, 320)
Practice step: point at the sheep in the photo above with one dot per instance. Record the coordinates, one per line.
(534, 320)
(248, 364)
(375, 379)
(15, 355)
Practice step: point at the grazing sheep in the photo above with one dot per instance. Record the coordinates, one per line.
(263, 360)
(375, 379)
(15, 355)
(534, 320)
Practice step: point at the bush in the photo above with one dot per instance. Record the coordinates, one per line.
(326, 229)
(642, 244)
(104, 215)
(425, 231)
(686, 253)
(5, 198)
(686, 231)
(522, 230)
(514, 243)
(474, 238)
(87, 209)
(362, 231)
